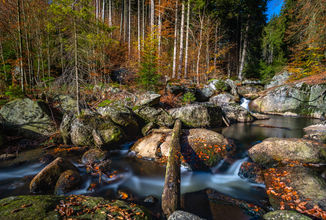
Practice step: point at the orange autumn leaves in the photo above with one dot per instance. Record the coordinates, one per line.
(289, 198)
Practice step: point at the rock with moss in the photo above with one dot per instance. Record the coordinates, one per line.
(201, 148)
(157, 116)
(69, 180)
(182, 215)
(250, 91)
(316, 132)
(223, 98)
(296, 188)
(147, 128)
(65, 127)
(46, 179)
(79, 207)
(285, 215)
(293, 99)
(199, 115)
(236, 113)
(65, 103)
(123, 117)
(94, 156)
(278, 80)
(89, 130)
(285, 150)
(28, 118)
(148, 99)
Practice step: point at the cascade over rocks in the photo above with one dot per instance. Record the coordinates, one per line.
(272, 151)
(198, 115)
(27, 117)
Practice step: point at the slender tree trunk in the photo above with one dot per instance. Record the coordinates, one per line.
(207, 58)
(3, 60)
(76, 65)
(143, 20)
(152, 16)
(124, 20)
(159, 28)
(187, 41)
(199, 49)
(20, 46)
(103, 10)
(244, 51)
(175, 41)
(138, 27)
(181, 40)
(49, 57)
(110, 13)
(215, 49)
(171, 190)
(129, 27)
(61, 52)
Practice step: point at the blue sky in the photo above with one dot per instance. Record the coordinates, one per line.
(274, 7)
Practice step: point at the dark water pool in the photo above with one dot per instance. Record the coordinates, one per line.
(144, 178)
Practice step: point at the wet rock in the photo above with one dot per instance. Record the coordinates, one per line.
(150, 199)
(182, 215)
(297, 99)
(94, 156)
(149, 99)
(87, 130)
(7, 156)
(251, 172)
(250, 91)
(316, 132)
(296, 188)
(47, 158)
(284, 150)
(147, 128)
(157, 116)
(201, 148)
(285, 215)
(199, 115)
(68, 181)
(278, 80)
(65, 127)
(46, 179)
(27, 117)
(236, 113)
(259, 116)
(224, 98)
(123, 117)
(55, 207)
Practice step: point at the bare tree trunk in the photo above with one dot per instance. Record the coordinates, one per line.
(138, 27)
(21, 70)
(175, 41)
(152, 16)
(76, 66)
(110, 13)
(181, 40)
(159, 28)
(207, 58)
(215, 49)
(199, 49)
(129, 26)
(244, 51)
(187, 41)
(171, 190)
(124, 20)
(49, 57)
(3, 60)
(143, 23)
(103, 10)
(61, 52)
(121, 23)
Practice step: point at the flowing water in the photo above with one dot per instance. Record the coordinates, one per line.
(143, 178)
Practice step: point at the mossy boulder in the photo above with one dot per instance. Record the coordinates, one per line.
(94, 156)
(148, 99)
(90, 130)
(285, 215)
(46, 179)
(284, 150)
(250, 91)
(74, 207)
(199, 115)
(65, 103)
(316, 132)
(223, 98)
(65, 127)
(68, 181)
(157, 116)
(236, 113)
(200, 148)
(27, 117)
(296, 188)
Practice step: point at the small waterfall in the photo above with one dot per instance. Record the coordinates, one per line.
(245, 103)
(235, 167)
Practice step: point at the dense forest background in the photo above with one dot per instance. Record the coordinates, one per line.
(62, 43)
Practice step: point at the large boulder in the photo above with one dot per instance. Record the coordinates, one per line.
(87, 130)
(316, 132)
(68, 181)
(285, 215)
(148, 99)
(65, 103)
(27, 117)
(182, 215)
(284, 150)
(200, 148)
(94, 156)
(297, 99)
(223, 98)
(296, 188)
(236, 113)
(46, 179)
(123, 117)
(157, 116)
(278, 80)
(65, 127)
(72, 207)
(199, 115)
(250, 91)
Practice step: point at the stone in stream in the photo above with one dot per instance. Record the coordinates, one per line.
(198, 115)
(285, 215)
(296, 188)
(68, 181)
(316, 132)
(27, 117)
(46, 179)
(72, 207)
(94, 156)
(284, 150)
(201, 148)
(182, 215)
(252, 172)
(236, 113)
